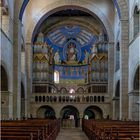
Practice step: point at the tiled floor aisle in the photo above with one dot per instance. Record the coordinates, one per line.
(71, 134)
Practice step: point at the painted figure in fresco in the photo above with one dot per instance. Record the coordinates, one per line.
(86, 56)
(57, 57)
(71, 52)
(94, 50)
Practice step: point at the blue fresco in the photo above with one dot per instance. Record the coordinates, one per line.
(72, 72)
(59, 39)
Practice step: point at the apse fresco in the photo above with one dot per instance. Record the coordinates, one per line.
(71, 43)
(74, 52)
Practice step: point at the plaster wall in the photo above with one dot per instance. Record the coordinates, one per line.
(134, 60)
(132, 4)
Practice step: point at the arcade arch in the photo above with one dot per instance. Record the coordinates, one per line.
(46, 112)
(70, 116)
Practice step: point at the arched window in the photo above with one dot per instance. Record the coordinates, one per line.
(36, 98)
(98, 98)
(95, 99)
(22, 91)
(103, 98)
(56, 77)
(71, 91)
(117, 92)
(136, 21)
(80, 90)
(40, 99)
(4, 80)
(63, 90)
(136, 80)
(43, 98)
(118, 56)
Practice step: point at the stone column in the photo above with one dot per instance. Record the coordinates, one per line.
(130, 105)
(29, 63)
(116, 107)
(81, 115)
(17, 68)
(10, 105)
(111, 68)
(124, 70)
(17, 61)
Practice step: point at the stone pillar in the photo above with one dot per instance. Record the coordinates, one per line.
(10, 105)
(116, 107)
(17, 68)
(124, 70)
(17, 61)
(81, 115)
(130, 105)
(111, 68)
(57, 113)
(29, 63)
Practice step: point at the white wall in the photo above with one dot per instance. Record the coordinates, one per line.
(134, 50)
(7, 59)
(134, 60)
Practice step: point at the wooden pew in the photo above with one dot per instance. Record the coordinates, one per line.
(36, 129)
(111, 130)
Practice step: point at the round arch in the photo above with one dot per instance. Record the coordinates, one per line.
(121, 7)
(93, 112)
(46, 112)
(93, 11)
(70, 116)
(56, 6)
(25, 3)
(63, 90)
(80, 90)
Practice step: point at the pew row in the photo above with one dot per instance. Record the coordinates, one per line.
(38, 129)
(111, 130)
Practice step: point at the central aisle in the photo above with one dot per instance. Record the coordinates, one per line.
(71, 134)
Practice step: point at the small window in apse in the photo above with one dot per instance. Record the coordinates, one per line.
(56, 77)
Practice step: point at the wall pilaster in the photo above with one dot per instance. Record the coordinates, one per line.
(111, 68)
(124, 70)
(29, 74)
(17, 61)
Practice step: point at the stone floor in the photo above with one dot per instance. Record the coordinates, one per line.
(71, 134)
